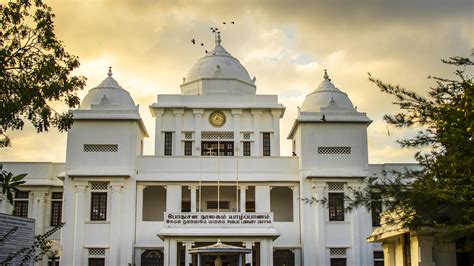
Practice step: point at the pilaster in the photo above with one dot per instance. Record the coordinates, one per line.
(197, 129)
(243, 198)
(275, 150)
(193, 199)
(158, 133)
(256, 127)
(178, 117)
(115, 225)
(188, 256)
(79, 224)
(237, 113)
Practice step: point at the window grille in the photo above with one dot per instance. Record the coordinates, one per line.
(246, 148)
(56, 208)
(168, 143)
(188, 135)
(217, 135)
(99, 186)
(246, 135)
(98, 206)
(337, 252)
(97, 252)
(188, 148)
(21, 208)
(21, 195)
(334, 150)
(266, 144)
(100, 148)
(335, 186)
(336, 206)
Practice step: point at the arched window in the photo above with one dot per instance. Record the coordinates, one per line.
(283, 257)
(152, 258)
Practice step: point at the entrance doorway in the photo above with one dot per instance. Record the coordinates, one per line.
(152, 258)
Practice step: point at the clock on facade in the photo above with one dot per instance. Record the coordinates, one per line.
(217, 119)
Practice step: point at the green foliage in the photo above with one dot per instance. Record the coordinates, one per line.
(440, 193)
(36, 252)
(35, 70)
(10, 183)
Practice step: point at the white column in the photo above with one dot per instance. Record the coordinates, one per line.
(256, 133)
(236, 113)
(243, 198)
(266, 252)
(173, 252)
(79, 228)
(173, 198)
(193, 198)
(166, 252)
(158, 134)
(188, 257)
(297, 253)
(140, 189)
(197, 129)
(248, 257)
(356, 251)
(39, 198)
(296, 203)
(275, 149)
(262, 198)
(178, 117)
(115, 221)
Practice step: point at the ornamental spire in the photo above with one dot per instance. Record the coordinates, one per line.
(326, 76)
(110, 72)
(218, 38)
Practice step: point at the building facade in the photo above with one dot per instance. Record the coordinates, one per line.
(216, 175)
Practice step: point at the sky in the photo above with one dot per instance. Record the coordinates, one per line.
(285, 44)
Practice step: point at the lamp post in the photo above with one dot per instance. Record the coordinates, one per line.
(54, 252)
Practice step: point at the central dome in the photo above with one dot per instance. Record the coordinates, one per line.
(218, 73)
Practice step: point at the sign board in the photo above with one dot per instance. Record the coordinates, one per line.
(218, 219)
(15, 233)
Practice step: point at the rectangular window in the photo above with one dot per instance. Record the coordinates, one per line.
(376, 209)
(56, 208)
(96, 261)
(168, 143)
(56, 262)
(266, 144)
(210, 148)
(246, 148)
(21, 208)
(336, 206)
(338, 261)
(98, 206)
(188, 148)
(212, 205)
(21, 204)
(378, 258)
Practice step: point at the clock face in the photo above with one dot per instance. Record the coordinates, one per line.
(217, 119)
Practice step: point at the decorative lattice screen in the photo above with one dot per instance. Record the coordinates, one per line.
(335, 186)
(99, 186)
(246, 135)
(97, 252)
(100, 147)
(188, 135)
(337, 252)
(334, 150)
(217, 135)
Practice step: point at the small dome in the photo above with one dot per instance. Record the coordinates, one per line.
(326, 95)
(218, 63)
(108, 95)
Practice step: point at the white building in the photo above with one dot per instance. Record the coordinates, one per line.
(217, 174)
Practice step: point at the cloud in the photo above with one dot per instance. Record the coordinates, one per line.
(285, 44)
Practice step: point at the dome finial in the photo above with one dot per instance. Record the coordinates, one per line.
(218, 38)
(326, 76)
(110, 72)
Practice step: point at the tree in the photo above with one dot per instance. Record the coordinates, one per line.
(440, 193)
(35, 70)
